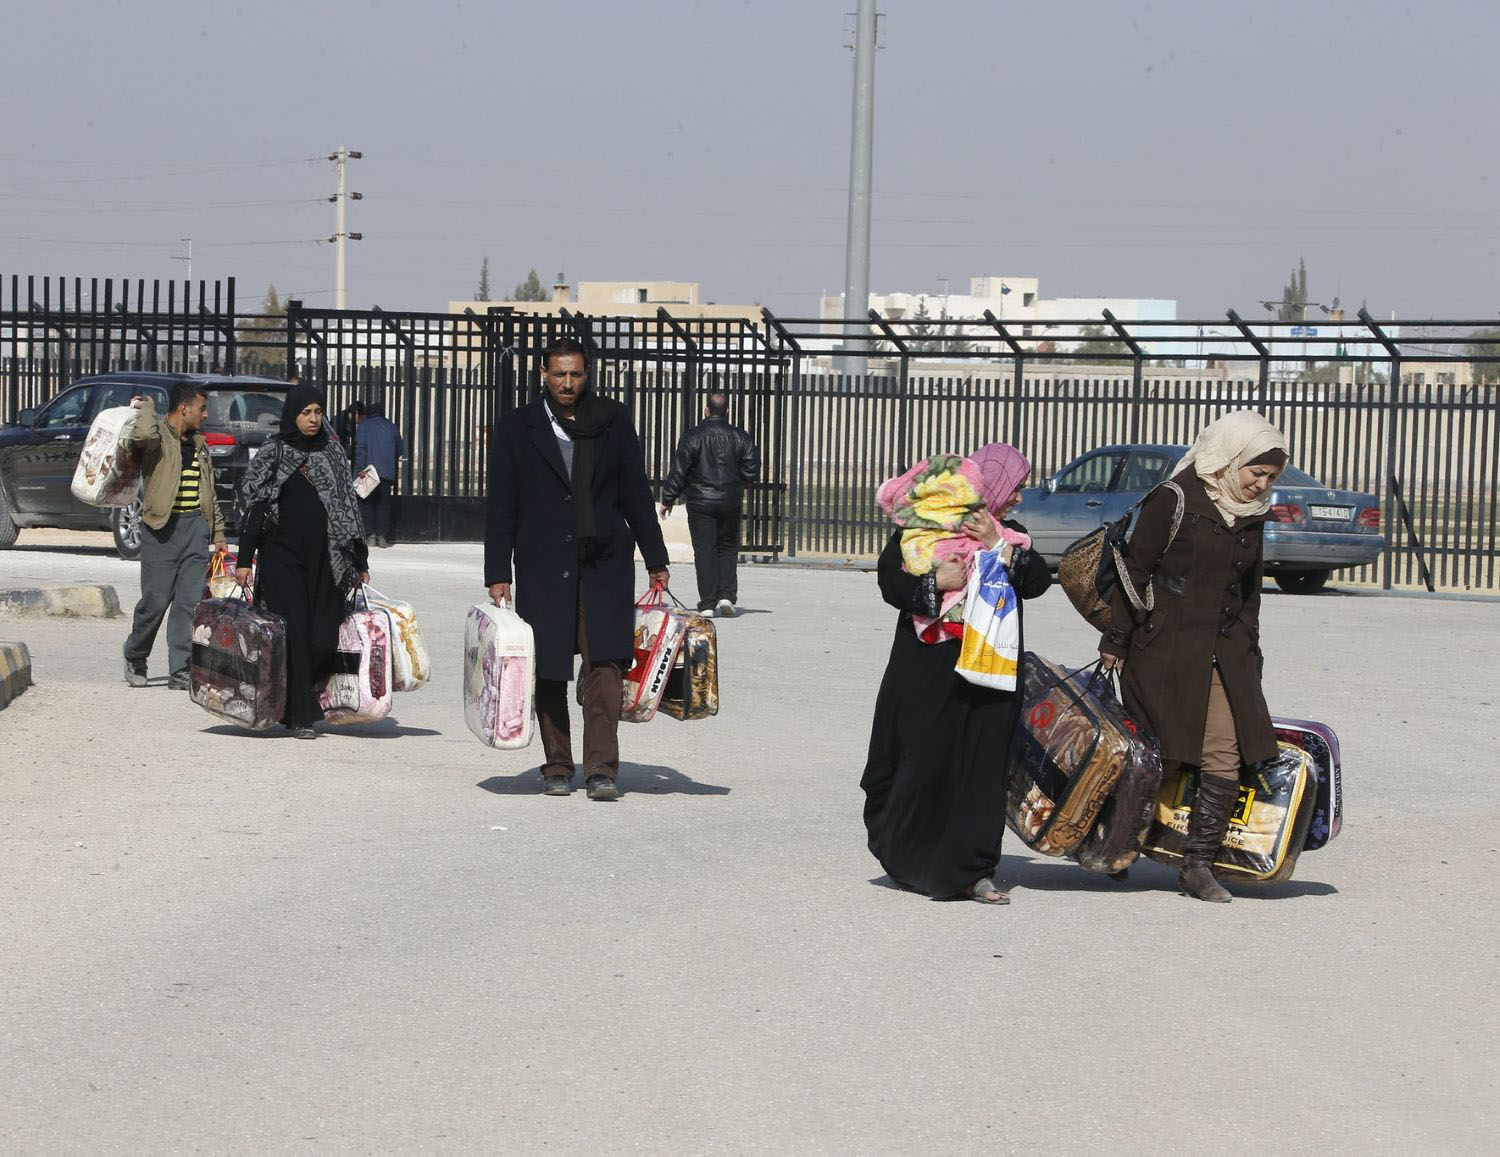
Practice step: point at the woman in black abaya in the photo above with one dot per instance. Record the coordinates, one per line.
(936, 777)
(303, 521)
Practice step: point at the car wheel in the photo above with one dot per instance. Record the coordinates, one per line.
(125, 521)
(1302, 582)
(8, 529)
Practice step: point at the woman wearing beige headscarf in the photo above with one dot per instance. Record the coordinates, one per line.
(1191, 666)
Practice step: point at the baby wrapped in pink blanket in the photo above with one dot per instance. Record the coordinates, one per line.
(930, 502)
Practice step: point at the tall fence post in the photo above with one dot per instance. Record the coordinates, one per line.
(1392, 410)
(1265, 357)
(901, 444)
(1138, 363)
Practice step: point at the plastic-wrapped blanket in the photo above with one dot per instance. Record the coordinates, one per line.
(659, 631)
(693, 686)
(1118, 835)
(1322, 747)
(1071, 749)
(1267, 829)
(238, 665)
(109, 469)
(410, 665)
(359, 690)
(499, 676)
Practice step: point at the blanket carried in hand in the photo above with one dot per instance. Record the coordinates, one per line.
(930, 502)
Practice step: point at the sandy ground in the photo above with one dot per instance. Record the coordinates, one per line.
(386, 940)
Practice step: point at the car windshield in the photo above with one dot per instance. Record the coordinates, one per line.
(1291, 476)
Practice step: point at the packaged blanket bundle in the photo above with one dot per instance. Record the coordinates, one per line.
(1267, 830)
(499, 676)
(238, 664)
(109, 468)
(410, 665)
(1072, 747)
(693, 686)
(930, 503)
(359, 689)
(659, 632)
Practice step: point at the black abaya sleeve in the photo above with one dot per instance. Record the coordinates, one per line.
(905, 592)
(1028, 570)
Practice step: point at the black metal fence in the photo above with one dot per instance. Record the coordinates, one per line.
(1406, 410)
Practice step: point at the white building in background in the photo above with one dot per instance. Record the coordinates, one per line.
(1017, 302)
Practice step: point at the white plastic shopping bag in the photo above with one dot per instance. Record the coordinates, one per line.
(989, 654)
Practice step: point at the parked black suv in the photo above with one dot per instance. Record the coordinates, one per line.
(38, 453)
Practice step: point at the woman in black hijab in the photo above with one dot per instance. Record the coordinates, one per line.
(303, 520)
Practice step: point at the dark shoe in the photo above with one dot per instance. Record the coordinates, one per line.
(725, 609)
(1206, 827)
(304, 733)
(178, 682)
(135, 673)
(602, 787)
(557, 785)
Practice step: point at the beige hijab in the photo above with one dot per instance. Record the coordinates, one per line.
(1222, 448)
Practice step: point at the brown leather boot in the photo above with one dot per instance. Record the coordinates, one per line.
(1206, 827)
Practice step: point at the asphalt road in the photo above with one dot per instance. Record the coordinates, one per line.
(387, 940)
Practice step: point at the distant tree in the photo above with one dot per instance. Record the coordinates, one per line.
(483, 293)
(1294, 294)
(954, 342)
(1094, 339)
(1485, 371)
(261, 338)
(529, 290)
(920, 327)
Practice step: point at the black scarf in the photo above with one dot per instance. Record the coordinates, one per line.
(298, 398)
(591, 418)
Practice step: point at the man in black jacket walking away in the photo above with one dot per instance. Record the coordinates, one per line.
(713, 463)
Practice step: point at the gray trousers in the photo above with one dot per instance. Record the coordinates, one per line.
(174, 567)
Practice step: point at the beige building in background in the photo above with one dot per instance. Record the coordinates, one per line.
(682, 299)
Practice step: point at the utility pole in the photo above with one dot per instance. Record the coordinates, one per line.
(188, 258)
(861, 152)
(340, 234)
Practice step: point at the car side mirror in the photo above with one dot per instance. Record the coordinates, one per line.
(26, 418)
(1051, 485)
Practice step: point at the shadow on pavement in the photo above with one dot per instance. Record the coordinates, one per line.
(386, 729)
(1145, 876)
(635, 778)
(56, 548)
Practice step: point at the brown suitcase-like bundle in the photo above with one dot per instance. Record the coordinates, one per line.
(238, 666)
(1071, 750)
(693, 686)
(1267, 830)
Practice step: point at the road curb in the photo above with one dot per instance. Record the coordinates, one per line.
(88, 601)
(15, 671)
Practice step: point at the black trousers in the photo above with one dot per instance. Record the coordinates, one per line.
(379, 510)
(715, 530)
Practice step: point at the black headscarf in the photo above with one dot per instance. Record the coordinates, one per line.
(592, 416)
(298, 398)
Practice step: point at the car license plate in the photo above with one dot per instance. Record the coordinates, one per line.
(1331, 513)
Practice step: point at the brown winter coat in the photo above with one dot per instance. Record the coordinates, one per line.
(1207, 606)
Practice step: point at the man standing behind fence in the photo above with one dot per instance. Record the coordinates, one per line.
(569, 502)
(713, 463)
(378, 443)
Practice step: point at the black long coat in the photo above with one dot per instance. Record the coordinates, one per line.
(1207, 606)
(936, 775)
(532, 520)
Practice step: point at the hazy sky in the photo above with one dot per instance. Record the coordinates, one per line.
(1188, 149)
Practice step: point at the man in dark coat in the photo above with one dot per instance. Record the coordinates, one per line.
(569, 502)
(378, 443)
(713, 463)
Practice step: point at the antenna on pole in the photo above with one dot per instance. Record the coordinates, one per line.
(189, 258)
(339, 157)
